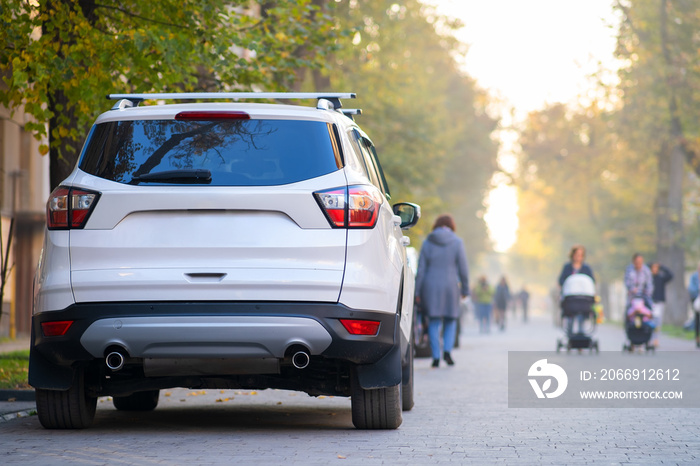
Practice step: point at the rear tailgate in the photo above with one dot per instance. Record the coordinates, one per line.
(207, 243)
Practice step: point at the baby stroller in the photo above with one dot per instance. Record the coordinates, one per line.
(639, 326)
(577, 301)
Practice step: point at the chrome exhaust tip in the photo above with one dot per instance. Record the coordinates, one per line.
(115, 361)
(301, 359)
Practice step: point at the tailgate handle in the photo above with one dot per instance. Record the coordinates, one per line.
(205, 276)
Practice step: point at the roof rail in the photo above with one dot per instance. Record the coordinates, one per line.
(333, 97)
(350, 112)
(122, 104)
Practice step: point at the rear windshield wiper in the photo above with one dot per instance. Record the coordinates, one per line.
(198, 175)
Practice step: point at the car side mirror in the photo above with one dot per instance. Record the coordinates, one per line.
(409, 213)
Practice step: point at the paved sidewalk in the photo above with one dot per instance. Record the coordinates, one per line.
(14, 345)
(461, 416)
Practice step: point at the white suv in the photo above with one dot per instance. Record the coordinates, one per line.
(224, 245)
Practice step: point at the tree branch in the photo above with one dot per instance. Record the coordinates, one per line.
(628, 20)
(134, 15)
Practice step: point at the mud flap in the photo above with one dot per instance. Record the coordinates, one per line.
(43, 374)
(387, 371)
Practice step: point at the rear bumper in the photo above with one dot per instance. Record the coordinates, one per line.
(206, 336)
(211, 329)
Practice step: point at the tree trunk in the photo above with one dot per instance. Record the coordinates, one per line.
(63, 155)
(669, 203)
(669, 234)
(62, 158)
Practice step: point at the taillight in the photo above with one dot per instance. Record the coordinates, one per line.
(69, 208)
(55, 329)
(333, 204)
(351, 207)
(361, 327)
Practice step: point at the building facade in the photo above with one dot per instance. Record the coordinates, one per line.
(24, 188)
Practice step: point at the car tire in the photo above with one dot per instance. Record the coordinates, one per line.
(66, 409)
(407, 382)
(139, 401)
(377, 408)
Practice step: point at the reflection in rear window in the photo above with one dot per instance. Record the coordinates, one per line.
(237, 152)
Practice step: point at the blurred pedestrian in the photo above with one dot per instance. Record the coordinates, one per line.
(500, 302)
(524, 297)
(694, 292)
(483, 302)
(442, 278)
(576, 264)
(660, 276)
(639, 281)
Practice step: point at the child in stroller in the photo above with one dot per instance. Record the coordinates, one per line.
(639, 325)
(578, 299)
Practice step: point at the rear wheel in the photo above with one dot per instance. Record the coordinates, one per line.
(139, 401)
(407, 382)
(377, 408)
(68, 409)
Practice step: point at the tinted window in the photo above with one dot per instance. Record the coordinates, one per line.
(370, 159)
(357, 161)
(237, 152)
(375, 161)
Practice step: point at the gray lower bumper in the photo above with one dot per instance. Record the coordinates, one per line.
(205, 336)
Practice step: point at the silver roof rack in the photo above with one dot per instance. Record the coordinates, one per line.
(333, 97)
(350, 112)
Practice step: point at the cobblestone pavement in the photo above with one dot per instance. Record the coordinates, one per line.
(461, 416)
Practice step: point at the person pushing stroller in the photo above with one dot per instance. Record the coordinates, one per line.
(639, 325)
(639, 281)
(576, 264)
(577, 302)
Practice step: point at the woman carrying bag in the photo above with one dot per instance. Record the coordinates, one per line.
(441, 279)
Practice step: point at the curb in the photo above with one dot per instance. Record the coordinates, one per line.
(17, 415)
(17, 395)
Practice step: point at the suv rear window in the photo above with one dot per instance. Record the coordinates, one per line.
(236, 152)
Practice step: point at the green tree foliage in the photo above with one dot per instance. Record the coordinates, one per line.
(659, 44)
(61, 57)
(580, 183)
(426, 117)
